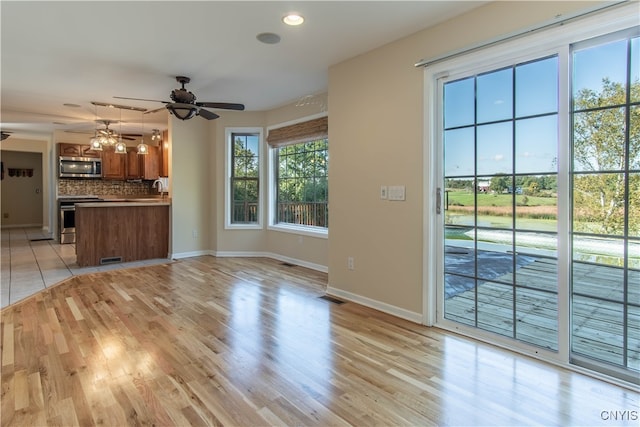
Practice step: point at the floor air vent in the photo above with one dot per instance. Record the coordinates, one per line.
(331, 299)
(110, 260)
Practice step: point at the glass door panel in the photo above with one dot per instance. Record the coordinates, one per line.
(605, 268)
(500, 198)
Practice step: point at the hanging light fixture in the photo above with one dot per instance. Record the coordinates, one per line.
(142, 147)
(120, 147)
(95, 141)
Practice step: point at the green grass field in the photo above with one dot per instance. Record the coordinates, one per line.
(459, 198)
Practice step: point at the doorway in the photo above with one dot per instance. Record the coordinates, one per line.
(538, 163)
(22, 189)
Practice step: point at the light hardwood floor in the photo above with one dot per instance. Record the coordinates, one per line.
(248, 342)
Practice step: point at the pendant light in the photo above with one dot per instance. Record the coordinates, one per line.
(121, 147)
(142, 147)
(95, 141)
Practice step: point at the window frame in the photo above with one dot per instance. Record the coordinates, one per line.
(229, 132)
(272, 195)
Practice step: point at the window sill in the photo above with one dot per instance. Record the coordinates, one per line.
(243, 227)
(319, 232)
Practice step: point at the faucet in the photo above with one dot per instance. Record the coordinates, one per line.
(160, 187)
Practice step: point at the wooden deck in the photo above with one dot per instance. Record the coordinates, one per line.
(597, 324)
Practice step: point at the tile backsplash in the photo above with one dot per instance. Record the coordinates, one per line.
(100, 187)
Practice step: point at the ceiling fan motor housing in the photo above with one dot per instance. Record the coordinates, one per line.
(183, 96)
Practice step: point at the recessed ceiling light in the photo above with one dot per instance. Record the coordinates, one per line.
(268, 38)
(293, 19)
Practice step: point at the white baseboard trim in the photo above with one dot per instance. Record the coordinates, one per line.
(189, 254)
(380, 306)
(295, 261)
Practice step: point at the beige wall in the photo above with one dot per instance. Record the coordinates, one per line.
(190, 183)
(44, 147)
(376, 133)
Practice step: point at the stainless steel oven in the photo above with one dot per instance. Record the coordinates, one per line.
(67, 216)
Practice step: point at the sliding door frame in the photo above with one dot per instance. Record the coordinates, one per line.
(543, 43)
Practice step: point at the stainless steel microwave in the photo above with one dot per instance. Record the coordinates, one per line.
(80, 167)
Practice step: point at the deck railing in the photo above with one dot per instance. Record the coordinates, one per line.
(304, 213)
(301, 213)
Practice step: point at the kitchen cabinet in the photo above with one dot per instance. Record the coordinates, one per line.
(87, 151)
(113, 164)
(76, 150)
(164, 154)
(143, 166)
(136, 231)
(133, 164)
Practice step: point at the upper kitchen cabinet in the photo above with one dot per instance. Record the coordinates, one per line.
(76, 150)
(151, 163)
(143, 166)
(113, 164)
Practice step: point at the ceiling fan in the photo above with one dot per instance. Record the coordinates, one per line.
(108, 132)
(184, 105)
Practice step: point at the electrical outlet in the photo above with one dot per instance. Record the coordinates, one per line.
(350, 263)
(194, 234)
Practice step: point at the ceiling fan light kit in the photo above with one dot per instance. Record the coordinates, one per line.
(182, 111)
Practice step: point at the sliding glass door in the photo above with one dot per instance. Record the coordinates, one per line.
(518, 261)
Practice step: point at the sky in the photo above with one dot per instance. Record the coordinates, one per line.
(500, 120)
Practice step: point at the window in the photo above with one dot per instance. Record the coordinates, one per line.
(302, 190)
(243, 186)
(300, 154)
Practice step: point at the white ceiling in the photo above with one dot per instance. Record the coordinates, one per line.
(76, 52)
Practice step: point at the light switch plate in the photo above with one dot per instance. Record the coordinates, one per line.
(383, 192)
(396, 192)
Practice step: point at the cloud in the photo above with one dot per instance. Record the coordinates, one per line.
(498, 157)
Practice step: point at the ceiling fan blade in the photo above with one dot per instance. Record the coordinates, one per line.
(156, 110)
(140, 99)
(209, 115)
(221, 105)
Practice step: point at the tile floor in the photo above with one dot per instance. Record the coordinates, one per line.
(31, 262)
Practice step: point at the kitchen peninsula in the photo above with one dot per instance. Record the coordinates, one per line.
(122, 231)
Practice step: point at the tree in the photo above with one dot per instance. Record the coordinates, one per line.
(600, 146)
(500, 183)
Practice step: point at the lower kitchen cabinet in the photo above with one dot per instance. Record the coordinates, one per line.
(121, 232)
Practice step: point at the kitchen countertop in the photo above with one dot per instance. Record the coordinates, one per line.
(125, 203)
